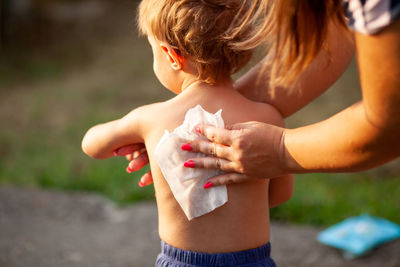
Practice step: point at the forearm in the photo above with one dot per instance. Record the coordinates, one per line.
(101, 140)
(346, 142)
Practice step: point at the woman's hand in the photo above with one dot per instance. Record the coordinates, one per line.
(137, 156)
(244, 150)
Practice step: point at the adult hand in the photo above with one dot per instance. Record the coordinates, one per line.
(244, 150)
(137, 156)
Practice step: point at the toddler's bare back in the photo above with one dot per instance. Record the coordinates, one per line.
(243, 222)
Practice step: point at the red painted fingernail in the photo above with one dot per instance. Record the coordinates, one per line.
(115, 152)
(189, 164)
(129, 170)
(197, 129)
(208, 185)
(141, 184)
(187, 147)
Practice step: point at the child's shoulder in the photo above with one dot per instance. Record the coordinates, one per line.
(141, 116)
(146, 112)
(267, 113)
(248, 110)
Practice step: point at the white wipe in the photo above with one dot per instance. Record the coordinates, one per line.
(186, 183)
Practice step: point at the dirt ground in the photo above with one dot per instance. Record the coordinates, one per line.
(47, 229)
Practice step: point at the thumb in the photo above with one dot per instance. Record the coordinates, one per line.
(240, 125)
(235, 126)
(227, 178)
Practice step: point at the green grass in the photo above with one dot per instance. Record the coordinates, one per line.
(47, 105)
(50, 160)
(324, 199)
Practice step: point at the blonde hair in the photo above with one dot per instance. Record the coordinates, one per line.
(295, 32)
(196, 29)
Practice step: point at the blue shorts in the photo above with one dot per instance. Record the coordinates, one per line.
(175, 257)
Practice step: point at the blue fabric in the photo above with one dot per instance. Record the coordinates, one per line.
(174, 257)
(358, 235)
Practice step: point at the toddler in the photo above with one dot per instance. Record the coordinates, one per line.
(193, 59)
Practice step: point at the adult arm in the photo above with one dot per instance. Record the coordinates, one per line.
(326, 68)
(360, 137)
(366, 134)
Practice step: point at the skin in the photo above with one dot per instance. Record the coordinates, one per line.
(323, 72)
(360, 137)
(320, 75)
(243, 222)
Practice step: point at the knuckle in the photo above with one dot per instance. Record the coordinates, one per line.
(212, 137)
(231, 178)
(240, 140)
(239, 156)
(226, 166)
(211, 150)
(212, 134)
(214, 146)
(240, 169)
(218, 163)
(217, 150)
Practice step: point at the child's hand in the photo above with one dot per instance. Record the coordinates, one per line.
(136, 154)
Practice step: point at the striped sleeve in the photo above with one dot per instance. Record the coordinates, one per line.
(371, 16)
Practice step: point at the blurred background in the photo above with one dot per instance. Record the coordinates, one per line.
(67, 65)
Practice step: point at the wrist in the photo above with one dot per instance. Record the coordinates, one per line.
(289, 163)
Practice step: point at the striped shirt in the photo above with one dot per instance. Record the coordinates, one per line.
(371, 16)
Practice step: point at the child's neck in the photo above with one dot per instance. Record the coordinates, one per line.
(193, 84)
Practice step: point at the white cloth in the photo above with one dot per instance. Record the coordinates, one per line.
(186, 183)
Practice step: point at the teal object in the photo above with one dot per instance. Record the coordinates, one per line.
(358, 235)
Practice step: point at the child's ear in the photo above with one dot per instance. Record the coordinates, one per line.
(175, 59)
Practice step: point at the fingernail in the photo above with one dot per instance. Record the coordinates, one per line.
(187, 147)
(189, 164)
(141, 184)
(115, 152)
(197, 129)
(208, 185)
(129, 170)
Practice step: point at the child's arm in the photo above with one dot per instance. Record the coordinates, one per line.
(101, 140)
(280, 190)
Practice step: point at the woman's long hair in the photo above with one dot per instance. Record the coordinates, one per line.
(295, 31)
